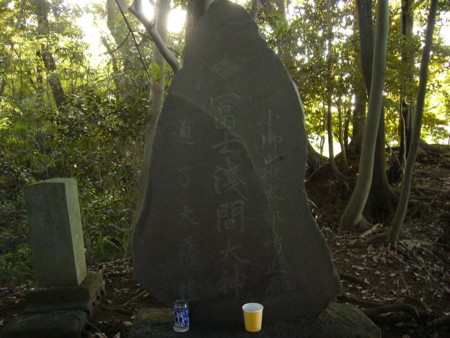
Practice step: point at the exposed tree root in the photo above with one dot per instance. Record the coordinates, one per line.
(116, 308)
(441, 322)
(379, 237)
(353, 278)
(350, 299)
(141, 295)
(359, 226)
(420, 302)
(418, 314)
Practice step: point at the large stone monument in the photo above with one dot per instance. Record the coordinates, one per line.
(223, 217)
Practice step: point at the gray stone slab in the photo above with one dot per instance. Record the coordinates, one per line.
(56, 232)
(223, 217)
(337, 320)
(83, 297)
(45, 325)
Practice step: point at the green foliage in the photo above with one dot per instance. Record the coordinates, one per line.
(15, 252)
(96, 137)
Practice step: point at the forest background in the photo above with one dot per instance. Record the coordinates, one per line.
(79, 95)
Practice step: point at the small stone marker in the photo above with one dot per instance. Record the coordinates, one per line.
(65, 293)
(56, 233)
(223, 217)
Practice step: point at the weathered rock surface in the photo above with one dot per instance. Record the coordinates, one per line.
(337, 320)
(223, 217)
(68, 324)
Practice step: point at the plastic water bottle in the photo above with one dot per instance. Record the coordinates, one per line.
(181, 316)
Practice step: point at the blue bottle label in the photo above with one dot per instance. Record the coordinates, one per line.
(181, 318)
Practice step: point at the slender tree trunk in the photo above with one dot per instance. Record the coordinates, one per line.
(115, 66)
(159, 77)
(358, 117)
(160, 51)
(352, 218)
(382, 199)
(346, 128)
(314, 159)
(255, 9)
(366, 39)
(42, 8)
(380, 188)
(341, 134)
(334, 169)
(59, 95)
(407, 78)
(409, 167)
(116, 25)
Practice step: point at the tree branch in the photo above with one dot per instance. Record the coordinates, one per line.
(255, 9)
(159, 42)
(130, 30)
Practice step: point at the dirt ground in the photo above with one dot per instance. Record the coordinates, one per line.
(404, 290)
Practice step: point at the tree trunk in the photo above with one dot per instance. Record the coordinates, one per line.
(341, 134)
(159, 77)
(358, 117)
(366, 39)
(255, 9)
(116, 26)
(382, 199)
(380, 188)
(352, 218)
(59, 95)
(407, 78)
(334, 169)
(314, 159)
(415, 140)
(346, 128)
(160, 51)
(41, 9)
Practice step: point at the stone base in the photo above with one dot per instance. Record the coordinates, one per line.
(83, 297)
(69, 324)
(337, 320)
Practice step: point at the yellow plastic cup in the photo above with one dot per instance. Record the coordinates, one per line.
(253, 316)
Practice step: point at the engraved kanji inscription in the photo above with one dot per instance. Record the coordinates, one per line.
(230, 216)
(227, 177)
(185, 216)
(182, 131)
(226, 146)
(230, 252)
(231, 281)
(187, 252)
